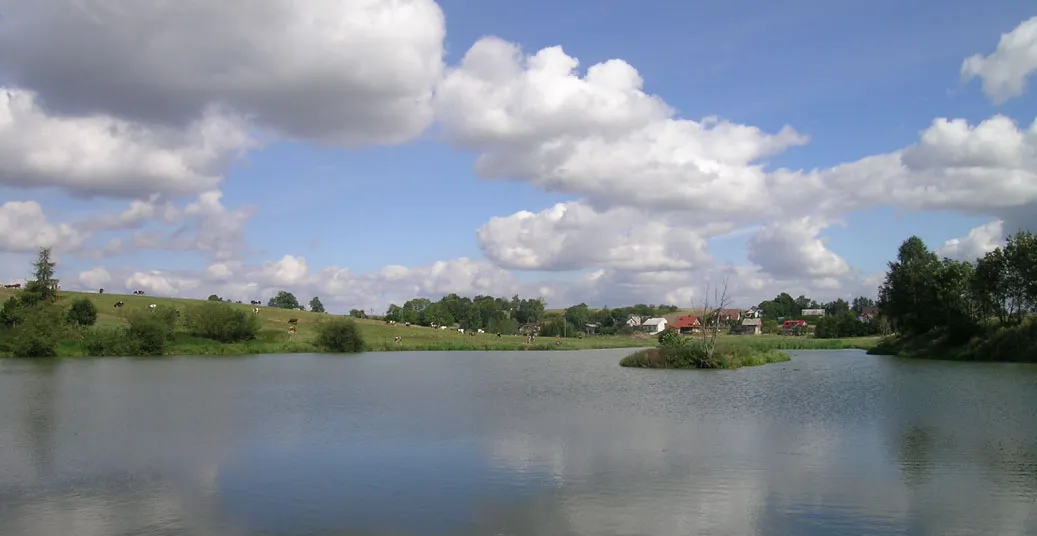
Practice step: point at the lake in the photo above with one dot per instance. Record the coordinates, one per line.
(515, 443)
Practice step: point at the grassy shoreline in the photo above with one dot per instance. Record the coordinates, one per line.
(1011, 344)
(378, 336)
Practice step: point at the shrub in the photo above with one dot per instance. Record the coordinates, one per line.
(340, 335)
(82, 313)
(671, 338)
(38, 333)
(12, 313)
(222, 322)
(111, 342)
(147, 333)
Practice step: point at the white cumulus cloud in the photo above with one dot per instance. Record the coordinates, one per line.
(341, 71)
(1005, 71)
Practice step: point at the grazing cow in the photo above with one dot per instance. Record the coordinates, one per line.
(255, 310)
(498, 335)
(291, 332)
(397, 339)
(442, 327)
(460, 330)
(407, 324)
(293, 320)
(255, 302)
(481, 331)
(119, 303)
(152, 307)
(391, 322)
(13, 285)
(100, 291)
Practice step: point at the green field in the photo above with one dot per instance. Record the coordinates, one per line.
(379, 336)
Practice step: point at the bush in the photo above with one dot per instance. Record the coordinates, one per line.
(222, 322)
(671, 338)
(148, 333)
(82, 313)
(340, 336)
(111, 342)
(38, 333)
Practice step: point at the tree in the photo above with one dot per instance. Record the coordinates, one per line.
(711, 321)
(908, 294)
(355, 313)
(837, 307)
(316, 306)
(43, 288)
(213, 297)
(860, 303)
(284, 300)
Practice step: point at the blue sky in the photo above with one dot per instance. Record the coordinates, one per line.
(858, 78)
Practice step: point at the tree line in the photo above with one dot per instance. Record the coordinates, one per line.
(985, 305)
(508, 315)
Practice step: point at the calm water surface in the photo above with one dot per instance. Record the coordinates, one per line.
(524, 443)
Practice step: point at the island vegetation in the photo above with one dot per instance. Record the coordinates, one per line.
(960, 310)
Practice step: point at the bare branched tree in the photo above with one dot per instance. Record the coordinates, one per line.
(712, 311)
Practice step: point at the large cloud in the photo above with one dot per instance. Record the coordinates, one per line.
(24, 227)
(792, 249)
(343, 71)
(572, 236)
(600, 136)
(1004, 72)
(99, 154)
(978, 242)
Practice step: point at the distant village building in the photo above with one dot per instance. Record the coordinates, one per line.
(868, 314)
(653, 325)
(749, 326)
(794, 327)
(636, 321)
(591, 329)
(753, 312)
(728, 316)
(813, 312)
(686, 325)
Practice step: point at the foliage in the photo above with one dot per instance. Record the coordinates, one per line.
(671, 338)
(356, 313)
(695, 356)
(82, 312)
(221, 322)
(284, 300)
(38, 333)
(12, 313)
(43, 288)
(845, 324)
(148, 333)
(316, 306)
(963, 310)
(340, 335)
(770, 325)
(214, 297)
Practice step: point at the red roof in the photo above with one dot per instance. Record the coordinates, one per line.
(686, 322)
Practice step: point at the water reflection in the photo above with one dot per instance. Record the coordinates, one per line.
(831, 443)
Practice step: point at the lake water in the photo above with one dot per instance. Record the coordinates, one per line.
(515, 443)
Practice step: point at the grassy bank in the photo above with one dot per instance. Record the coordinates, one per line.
(274, 337)
(727, 357)
(1013, 344)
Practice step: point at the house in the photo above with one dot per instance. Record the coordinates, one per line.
(653, 325)
(794, 327)
(753, 312)
(749, 326)
(813, 312)
(687, 324)
(636, 321)
(591, 329)
(728, 316)
(868, 313)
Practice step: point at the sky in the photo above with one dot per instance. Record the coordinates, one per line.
(606, 152)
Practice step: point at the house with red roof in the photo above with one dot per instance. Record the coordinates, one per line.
(687, 324)
(794, 327)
